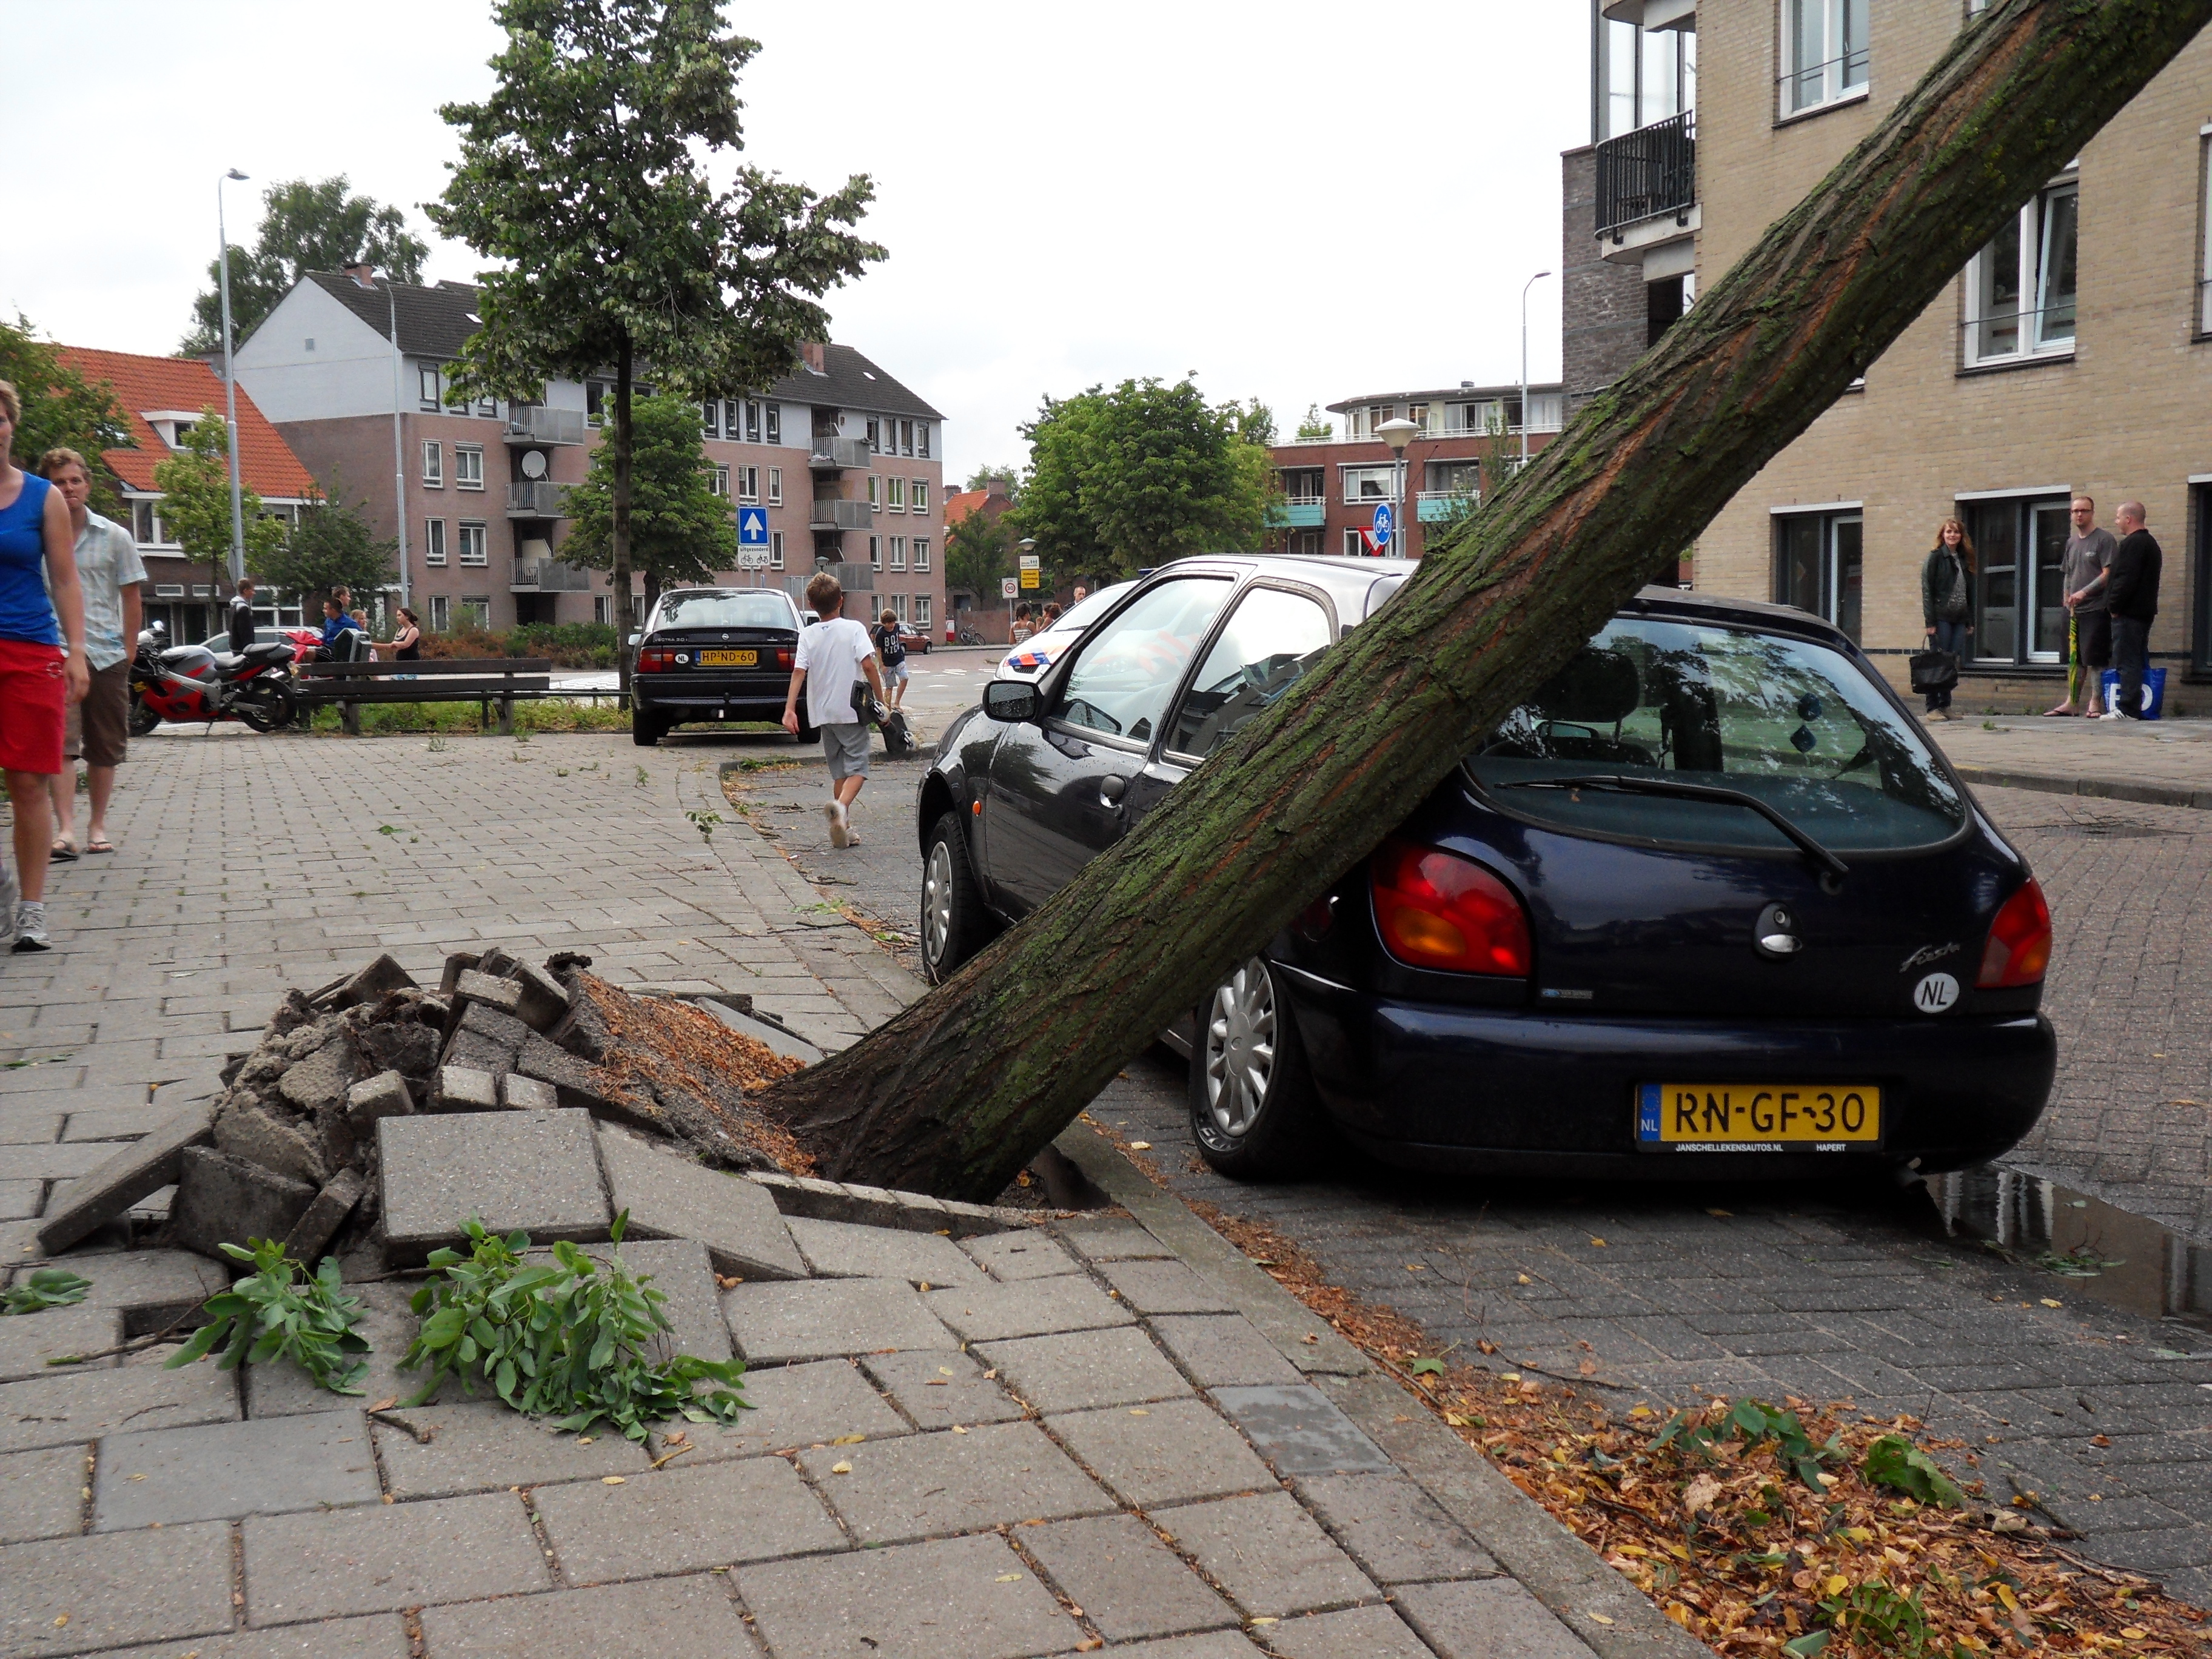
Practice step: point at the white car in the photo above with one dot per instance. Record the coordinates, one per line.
(1037, 654)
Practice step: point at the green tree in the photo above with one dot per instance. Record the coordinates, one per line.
(331, 545)
(680, 531)
(1143, 474)
(585, 178)
(62, 410)
(1255, 421)
(1316, 428)
(304, 226)
(979, 554)
(983, 476)
(195, 485)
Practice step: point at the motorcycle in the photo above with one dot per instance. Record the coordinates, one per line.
(189, 682)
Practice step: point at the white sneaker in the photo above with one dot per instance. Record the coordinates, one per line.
(31, 926)
(835, 811)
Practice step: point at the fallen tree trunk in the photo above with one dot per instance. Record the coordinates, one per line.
(958, 1091)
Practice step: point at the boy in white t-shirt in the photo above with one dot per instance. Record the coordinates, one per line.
(833, 654)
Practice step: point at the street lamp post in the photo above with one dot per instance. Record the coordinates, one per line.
(1525, 287)
(398, 455)
(230, 388)
(1397, 432)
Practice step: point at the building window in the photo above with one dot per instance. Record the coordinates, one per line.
(896, 605)
(775, 549)
(895, 494)
(752, 422)
(472, 543)
(2020, 289)
(2020, 600)
(434, 464)
(875, 437)
(1643, 76)
(488, 407)
(775, 423)
(875, 552)
(595, 402)
(906, 437)
(1819, 566)
(602, 610)
(710, 424)
(433, 542)
(476, 612)
(875, 493)
(468, 466)
(775, 486)
(427, 385)
(921, 438)
(1825, 52)
(718, 481)
(1355, 545)
(441, 614)
(2204, 272)
(146, 524)
(1309, 544)
(749, 483)
(921, 611)
(898, 553)
(1367, 483)
(922, 493)
(921, 552)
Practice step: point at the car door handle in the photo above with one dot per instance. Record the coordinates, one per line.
(1109, 791)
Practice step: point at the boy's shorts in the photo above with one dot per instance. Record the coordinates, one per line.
(846, 747)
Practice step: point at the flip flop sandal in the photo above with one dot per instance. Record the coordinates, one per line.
(99, 844)
(61, 853)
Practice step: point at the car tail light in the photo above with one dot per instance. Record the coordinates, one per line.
(655, 659)
(1437, 910)
(2018, 950)
(784, 657)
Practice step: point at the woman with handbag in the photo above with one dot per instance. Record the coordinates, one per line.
(1946, 579)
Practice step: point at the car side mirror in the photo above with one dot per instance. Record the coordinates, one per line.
(1010, 701)
(634, 638)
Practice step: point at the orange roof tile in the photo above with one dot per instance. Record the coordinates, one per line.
(266, 463)
(959, 504)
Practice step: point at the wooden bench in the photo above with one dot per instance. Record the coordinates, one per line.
(484, 680)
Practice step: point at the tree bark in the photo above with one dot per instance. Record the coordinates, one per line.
(956, 1093)
(618, 529)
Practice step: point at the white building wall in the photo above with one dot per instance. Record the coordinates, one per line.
(347, 371)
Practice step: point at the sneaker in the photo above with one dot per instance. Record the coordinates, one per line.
(31, 926)
(835, 811)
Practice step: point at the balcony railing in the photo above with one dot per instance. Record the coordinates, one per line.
(836, 454)
(829, 513)
(1647, 173)
(538, 498)
(1300, 512)
(548, 576)
(534, 423)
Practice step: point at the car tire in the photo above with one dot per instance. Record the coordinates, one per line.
(954, 923)
(647, 730)
(1253, 1108)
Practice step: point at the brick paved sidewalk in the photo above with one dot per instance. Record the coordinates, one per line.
(2166, 763)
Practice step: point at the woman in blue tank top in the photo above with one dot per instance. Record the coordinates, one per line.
(40, 607)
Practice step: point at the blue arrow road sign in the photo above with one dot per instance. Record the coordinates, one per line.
(752, 526)
(1382, 526)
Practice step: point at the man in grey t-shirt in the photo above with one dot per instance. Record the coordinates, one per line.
(2087, 567)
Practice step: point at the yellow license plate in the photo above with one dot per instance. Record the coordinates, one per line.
(1755, 1117)
(729, 658)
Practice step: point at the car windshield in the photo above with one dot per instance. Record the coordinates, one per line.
(1793, 723)
(724, 608)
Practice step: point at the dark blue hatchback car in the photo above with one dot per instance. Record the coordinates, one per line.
(1710, 904)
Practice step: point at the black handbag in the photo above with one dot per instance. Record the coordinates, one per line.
(1934, 671)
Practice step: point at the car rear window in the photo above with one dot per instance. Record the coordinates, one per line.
(726, 609)
(1792, 722)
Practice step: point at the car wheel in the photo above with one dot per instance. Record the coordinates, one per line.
(954, 923)
(647, 730)
(1253, 1110)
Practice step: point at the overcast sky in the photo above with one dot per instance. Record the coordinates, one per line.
(1299, 203)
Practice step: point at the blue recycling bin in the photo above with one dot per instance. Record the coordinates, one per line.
(2153, 691)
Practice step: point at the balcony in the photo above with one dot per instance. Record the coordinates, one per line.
(536, 498)
(829, 513)
(548, 576)
(1300, 512)
(837, 454)
(1440, 505)
(534, 423)
(1649, 173)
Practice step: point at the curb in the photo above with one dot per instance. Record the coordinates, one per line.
(2148, 794)
(1550, 1562)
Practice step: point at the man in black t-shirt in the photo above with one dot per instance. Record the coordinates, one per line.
(241, 615)
(2131, 590)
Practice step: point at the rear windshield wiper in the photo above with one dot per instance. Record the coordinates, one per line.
(1812, 850)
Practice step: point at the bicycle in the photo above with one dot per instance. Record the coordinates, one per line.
(970, 636)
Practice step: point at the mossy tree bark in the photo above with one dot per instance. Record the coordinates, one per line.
(954, 1095)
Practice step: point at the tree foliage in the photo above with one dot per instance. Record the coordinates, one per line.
(195, 484)
(979, 553)
(1316, 428)
(304, 226)
(680, 531)
(1144, 473)
(984, 476)
(331, 546)
(585, 178)
(62, 410)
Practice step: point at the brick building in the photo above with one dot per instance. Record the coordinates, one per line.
(842, 458)
(2072, 356)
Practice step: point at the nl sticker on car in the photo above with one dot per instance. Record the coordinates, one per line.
(729, 658)
(1756, 1117)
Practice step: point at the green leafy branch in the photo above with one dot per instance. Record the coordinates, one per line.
(272, 1313)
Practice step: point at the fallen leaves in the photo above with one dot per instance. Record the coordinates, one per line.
(840, 1466)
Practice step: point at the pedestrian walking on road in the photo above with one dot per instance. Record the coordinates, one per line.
(2131, 592)
(241, 615)
(1022, 628)
(2089, 549)
(407, 639)
(41, 613)
(1946, 579)
(98, 730)
(834, 656)
(890, 652)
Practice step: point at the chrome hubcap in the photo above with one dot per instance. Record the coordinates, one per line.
(1240, 1049)
(937, 904)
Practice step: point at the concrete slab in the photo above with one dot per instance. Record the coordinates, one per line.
(938, 1390)
(839, 1250)
(123, 1177)
(1270, 1557)
(152, 1289)
(381, 1637)
(1082, 1370)
(537, 1171)
(1038, 1307)
(60, 1160)
(822, 1318)
(1393, 1530)
(28, 1340)
(117, 1122)
(792, 1405)
(64, 1410)
(1370, 1633)
(482, 1445)
(1214, 1644)
(1301, 1431)
(1167, 1453)
(970, 1596)
(1129, 1583)
(220, 1471)
(891, 1490)
(281, 1388)
(41, 1493)
(29, 1126)
(1112, 1240)
(225, 1200)
(668, 1617)
(773, 1038)
(383, 1557)
(671, 1197)
(1028, 1254)
(1476, 1617)
(1165, 1287)
(70, 1595)
(678, 1519)
(1224, 1352)
(20, 1200)
(681, 1272)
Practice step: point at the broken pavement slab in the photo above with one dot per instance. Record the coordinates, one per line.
(829, 1318)
(671, 1197)
(110, 1189)
(535, 1172)
(222, 1199)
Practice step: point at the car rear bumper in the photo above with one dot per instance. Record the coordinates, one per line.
(701, 696)
(1492, 1090)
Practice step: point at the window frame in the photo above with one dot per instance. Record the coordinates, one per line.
(906, 437)
(896, 554)
(920, 494)
(426, 380)
(747, 483)
(441, 614)
(462, 453)
(1221, 623)
(922, 606)
(1833, 66)
(775, 486)
(710, 411)
(1828, 519)
(921, 439)
(875, 492)
(2203, 324)
(2029, 506)
(483, 528)
(875, 552)
(775, 549)
(433, 463)
(717, 480)
(479, 604)
(2030, 236)
(434, 543)
(775, 423)
(921, 549)
(894, 494)
(1055, 721)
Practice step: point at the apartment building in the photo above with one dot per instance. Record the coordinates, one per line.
(160, 398)
(2072, 356)
(1331, 486)
(352, 366)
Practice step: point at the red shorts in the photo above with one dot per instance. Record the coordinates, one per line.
(33, 695)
